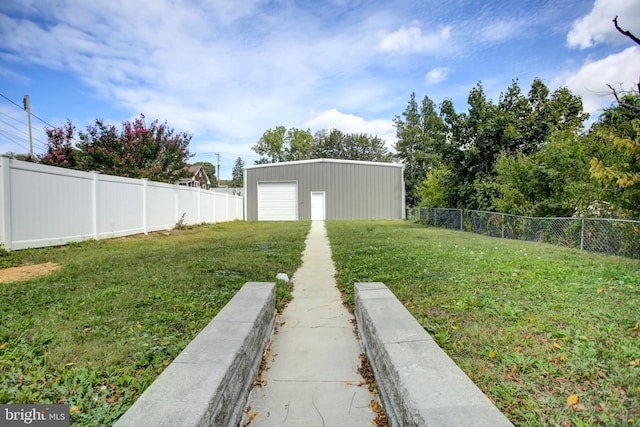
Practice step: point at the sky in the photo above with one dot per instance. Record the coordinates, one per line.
(226, 71)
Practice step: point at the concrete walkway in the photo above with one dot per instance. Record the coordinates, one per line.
(311, 377)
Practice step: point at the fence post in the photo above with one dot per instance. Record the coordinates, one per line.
(461, 221)
(502, 224)
(5, 176)
(94, 204)
(582, 236)
(144, 206)
(435, 217)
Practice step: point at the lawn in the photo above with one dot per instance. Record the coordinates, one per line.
(549, 334)
(97, 331)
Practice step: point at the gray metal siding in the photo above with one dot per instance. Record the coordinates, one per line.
(353, 191)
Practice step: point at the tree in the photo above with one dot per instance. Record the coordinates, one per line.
(238, 174)
(421, 135)
(619, 127)
(335, 144)
(282, 145)
(469, 144)
(138, 150)
(61, 150)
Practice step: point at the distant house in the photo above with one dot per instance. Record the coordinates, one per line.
(198, 178)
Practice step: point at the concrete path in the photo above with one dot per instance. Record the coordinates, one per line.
(311, 377)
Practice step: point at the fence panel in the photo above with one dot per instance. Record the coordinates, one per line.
(612, 236)
(45, 206)
(119, 206)
(160, 206)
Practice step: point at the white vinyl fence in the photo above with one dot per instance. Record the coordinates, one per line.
(47, 206)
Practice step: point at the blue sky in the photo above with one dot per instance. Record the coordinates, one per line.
(227, 71)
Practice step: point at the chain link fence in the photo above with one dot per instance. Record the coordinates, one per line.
(612, 236)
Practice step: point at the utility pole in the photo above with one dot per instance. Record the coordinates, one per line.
(27, 107)
(218, 169)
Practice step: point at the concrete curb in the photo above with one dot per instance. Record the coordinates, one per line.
(208, 383)
(418, 383)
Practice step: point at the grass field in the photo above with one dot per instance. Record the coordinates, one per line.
(96, 332)
(549, 334)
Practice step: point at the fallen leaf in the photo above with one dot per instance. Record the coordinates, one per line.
(492, 354)
(374, 405)
(70, 364)
(556, 345)
(248, 409)
(572, 400)
(634, 362)
(347, 382)
(562, 358)
(455, 328)
(635, 328)
(74, 409)
(600, 290)
(3, 345)
(579, 407)
(253, 416)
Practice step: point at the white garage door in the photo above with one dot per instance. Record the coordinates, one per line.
(277, 201)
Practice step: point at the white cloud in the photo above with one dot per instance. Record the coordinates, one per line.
(591, 80)
(411, 39)
(596, 27)
(436, 75)
(349, 123)
(500, 30)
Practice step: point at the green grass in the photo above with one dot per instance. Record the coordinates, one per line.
(97, 332)
(533, 325)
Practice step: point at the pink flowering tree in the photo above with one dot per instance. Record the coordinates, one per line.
(137, 150)
(61, 149)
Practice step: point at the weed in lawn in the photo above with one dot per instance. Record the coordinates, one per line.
(95, 333)
(531, 324)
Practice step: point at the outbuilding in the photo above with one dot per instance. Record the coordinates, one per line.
(322, 189)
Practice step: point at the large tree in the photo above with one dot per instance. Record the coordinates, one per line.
(471, 142)
(335, 144)
(619, 173)
(421, 136)
(282, 145)
(138, 150)
(237, 174)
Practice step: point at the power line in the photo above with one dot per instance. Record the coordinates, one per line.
(22, 108)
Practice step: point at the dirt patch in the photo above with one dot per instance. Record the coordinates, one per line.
(26, 272)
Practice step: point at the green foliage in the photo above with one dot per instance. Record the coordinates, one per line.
(431, 191)
(531, 324)
(620, 173)
(238, 173)
(335, 144)
(282, 145)
(469, 144)
(421, 137)
(138, 150)
(96, 333)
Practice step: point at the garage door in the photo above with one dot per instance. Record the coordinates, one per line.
(277, 201)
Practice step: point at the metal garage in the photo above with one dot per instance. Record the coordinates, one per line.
(324, 189)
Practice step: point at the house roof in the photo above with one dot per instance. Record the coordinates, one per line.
(311, 161)
(193, 169)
